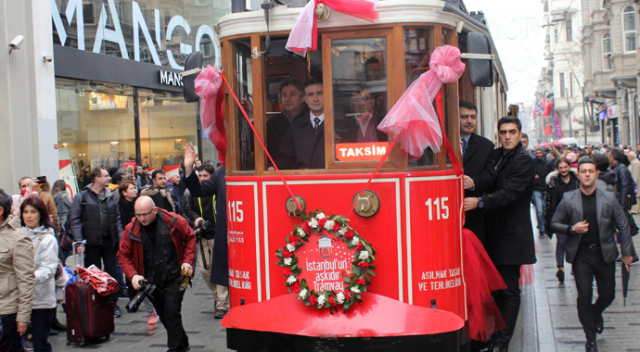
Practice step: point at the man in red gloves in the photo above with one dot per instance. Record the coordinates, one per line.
(159, 248)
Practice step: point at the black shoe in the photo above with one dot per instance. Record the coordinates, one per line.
(591, 346)
(599, 324)
(55, 325)
(219, 314)
(560, 275)
(499, 348)
(53, 332)
(489, 346)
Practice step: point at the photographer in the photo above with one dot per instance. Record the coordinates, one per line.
(157, 249)
(201, 211)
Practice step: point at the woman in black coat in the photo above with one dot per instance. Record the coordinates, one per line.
(565, 181)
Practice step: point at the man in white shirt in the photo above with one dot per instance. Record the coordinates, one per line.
(303, 144)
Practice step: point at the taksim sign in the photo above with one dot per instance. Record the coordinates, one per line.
(361, 151)
(111, 31)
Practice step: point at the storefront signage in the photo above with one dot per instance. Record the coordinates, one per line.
(170, 78)
(75, 9)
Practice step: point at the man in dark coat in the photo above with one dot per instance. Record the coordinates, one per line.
(214, 186)
(542, 168)
(590, 218)
(293, 106)
(624, 183)
(478, 170)
(303, 144)
(509, 240)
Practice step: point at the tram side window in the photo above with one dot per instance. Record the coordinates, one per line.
(244, 68)
(359, 98)
(418, 46)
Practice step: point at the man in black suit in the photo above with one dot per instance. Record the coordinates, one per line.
(479, 174)
(589, 217)
(509, 241)
(303, 144)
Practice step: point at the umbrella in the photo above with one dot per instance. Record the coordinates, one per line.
(625, 282)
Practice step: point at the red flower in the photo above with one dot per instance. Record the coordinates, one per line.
(348, 235)
(287, 272)
(359, 247)
(313, 300)
(347, 296)
(332, 301)
(361, 281)
(305, 226)
(293, 239)
(363, 265)
(336, 226)
(287, 254)
(321, 223)
(295, 288)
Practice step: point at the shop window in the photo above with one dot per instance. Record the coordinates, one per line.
(95, 128)
(167, 123)
(359, 80)
(244, 91)
(418, 46)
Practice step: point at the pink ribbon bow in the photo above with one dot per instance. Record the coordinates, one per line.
(412, 120)
(208, 86)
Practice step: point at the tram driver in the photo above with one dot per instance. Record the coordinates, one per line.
(303, 145)
(292, 97)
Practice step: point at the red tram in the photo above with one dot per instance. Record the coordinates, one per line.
(412, 212)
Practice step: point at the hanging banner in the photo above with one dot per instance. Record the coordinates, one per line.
(556, 123)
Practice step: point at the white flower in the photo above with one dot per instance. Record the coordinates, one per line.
(354, 289)
(355, 241)
(343, 230)
(320, 216)
(287, 261)
(291, 247)
(321, 300)
(301, 232)
(291, 279)
(340, 298)
(302, 293)
(313, 223)
(329, 225)
(364, 255)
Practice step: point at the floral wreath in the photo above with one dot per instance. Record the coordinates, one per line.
(362, 268)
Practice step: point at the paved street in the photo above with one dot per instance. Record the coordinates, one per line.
(205, 332)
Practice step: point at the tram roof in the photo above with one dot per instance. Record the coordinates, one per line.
(282, 18)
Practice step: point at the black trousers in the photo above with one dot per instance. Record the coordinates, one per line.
(9, 332)
(104, 253)
(588, 264)
(168, 304)
(508, 301)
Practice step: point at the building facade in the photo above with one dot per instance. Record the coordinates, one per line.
(104, 88)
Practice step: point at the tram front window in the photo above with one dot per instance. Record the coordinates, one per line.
(358, 69)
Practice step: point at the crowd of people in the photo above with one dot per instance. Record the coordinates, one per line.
(583, 196)
(140, 229)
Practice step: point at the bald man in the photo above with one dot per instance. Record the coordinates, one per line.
(159, 248)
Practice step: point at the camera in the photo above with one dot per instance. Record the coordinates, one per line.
(202, 226)
(146, 289)
(15, 43)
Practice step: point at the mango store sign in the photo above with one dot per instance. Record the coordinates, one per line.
(115, 35)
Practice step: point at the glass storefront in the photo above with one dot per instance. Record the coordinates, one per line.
(97, 124)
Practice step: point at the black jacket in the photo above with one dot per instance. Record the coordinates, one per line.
(509, 239)
(543, 167)
(555, 190)
(85, 219)
(607, 181)
(217, 186)
(610, 218)
(174, 192)
(277, 128)
(302, 148)
(478, 165)
(624, 185)
(202, 207)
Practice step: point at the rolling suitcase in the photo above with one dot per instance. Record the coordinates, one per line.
(89, 315)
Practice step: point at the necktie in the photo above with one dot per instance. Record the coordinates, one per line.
(464, 146)
(316, 124)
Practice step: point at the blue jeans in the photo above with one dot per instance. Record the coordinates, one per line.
(560, 249)
(538, 202)
(40, 329)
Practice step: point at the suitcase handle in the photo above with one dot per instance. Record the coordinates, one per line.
(74, 252)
